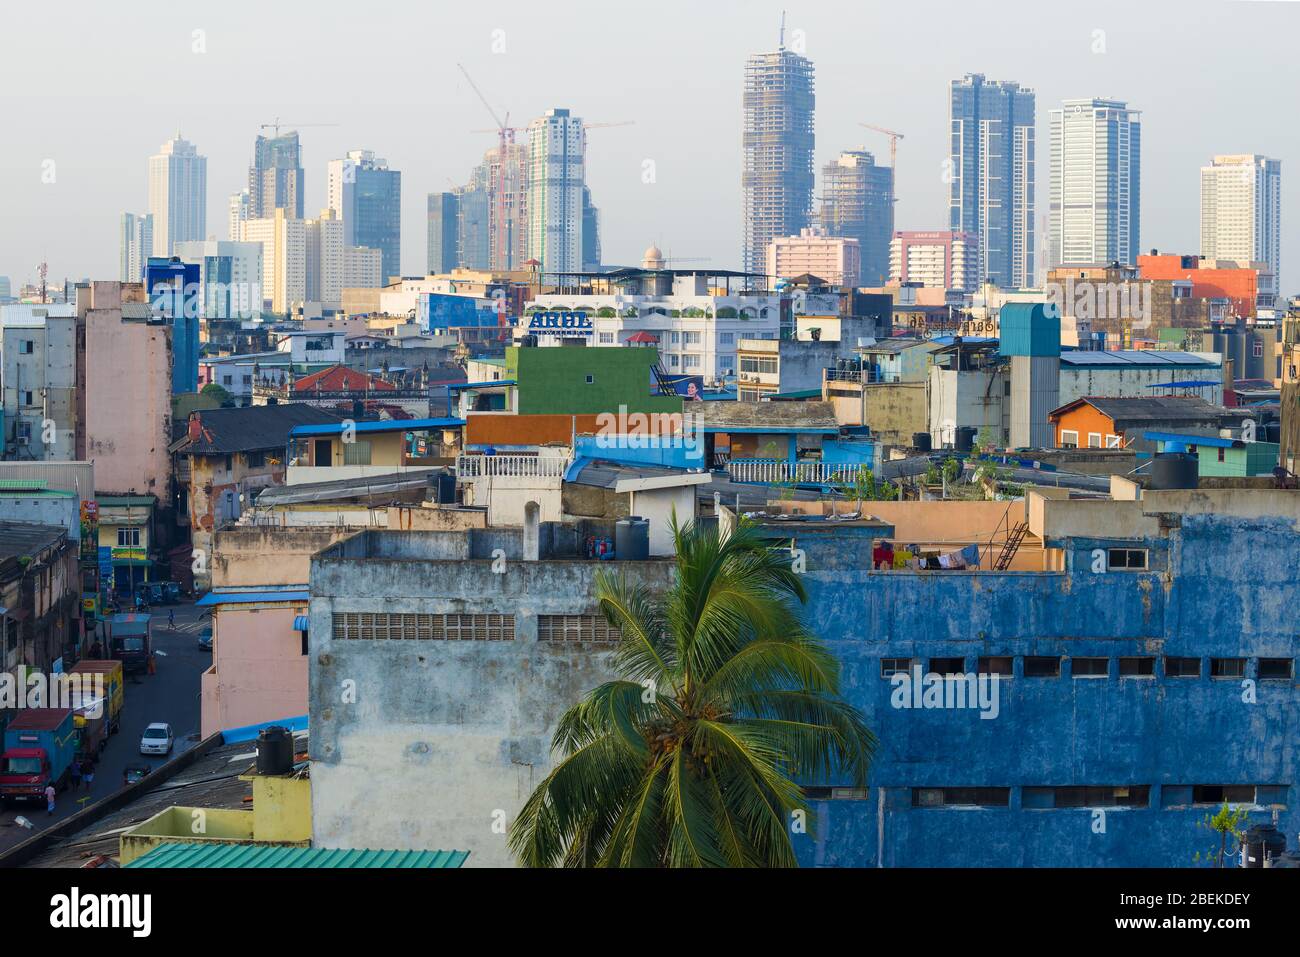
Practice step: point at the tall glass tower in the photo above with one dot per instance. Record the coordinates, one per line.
(991, 177)
(1096, 183)
(367, 196)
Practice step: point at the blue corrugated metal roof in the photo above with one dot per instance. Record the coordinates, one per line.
(268, 855)
(1186, 438)
(387, 425)
(300, 622)
(248, 597)
(249, 732)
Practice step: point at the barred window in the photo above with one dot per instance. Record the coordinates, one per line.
(394, 626)
(575, 628)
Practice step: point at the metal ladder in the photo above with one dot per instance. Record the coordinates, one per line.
(1011, 545)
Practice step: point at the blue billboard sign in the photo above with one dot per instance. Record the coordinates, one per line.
(557, 323)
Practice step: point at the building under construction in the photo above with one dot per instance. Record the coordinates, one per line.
(777, 178)
(858, 203)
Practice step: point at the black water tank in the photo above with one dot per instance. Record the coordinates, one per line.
(964, 438)
(1262, 840)
(632, 539)
(445, 489)
(921, 441)
(1172, 470)
(274, 751)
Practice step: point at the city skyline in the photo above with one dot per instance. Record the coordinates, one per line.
(671, 178)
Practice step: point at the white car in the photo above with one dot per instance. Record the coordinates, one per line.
(157, 739)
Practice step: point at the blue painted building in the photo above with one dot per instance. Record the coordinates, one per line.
(174, 291)
(1144, 679)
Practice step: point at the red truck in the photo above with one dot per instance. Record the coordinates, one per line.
(39, 748)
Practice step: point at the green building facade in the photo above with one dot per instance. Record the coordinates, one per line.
(580, 380)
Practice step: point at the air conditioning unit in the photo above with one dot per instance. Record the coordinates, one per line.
(24, 440)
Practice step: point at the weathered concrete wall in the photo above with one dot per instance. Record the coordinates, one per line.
(262, 555)
(434, 744)
(896, 411)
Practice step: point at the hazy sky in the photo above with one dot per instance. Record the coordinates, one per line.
(96, 87)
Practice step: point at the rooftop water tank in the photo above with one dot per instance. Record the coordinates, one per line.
(632, 539)
(1170, 470)
(274, 751)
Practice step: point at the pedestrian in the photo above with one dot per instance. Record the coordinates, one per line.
(76, 775)
(49, 799)
(88, 772)
(171, 618)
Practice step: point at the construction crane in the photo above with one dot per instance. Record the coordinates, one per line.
(505, 139)
(277, 124)
(893, 157)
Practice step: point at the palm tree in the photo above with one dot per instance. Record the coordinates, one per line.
(726, 699)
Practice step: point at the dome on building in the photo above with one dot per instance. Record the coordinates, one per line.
(653, 258)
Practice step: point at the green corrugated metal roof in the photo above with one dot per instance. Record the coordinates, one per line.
(38, 485)
(267, 855)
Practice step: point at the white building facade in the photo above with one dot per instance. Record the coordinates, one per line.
(1241, 210)
(38, 369)
(178, 195)
(557, 145)
(230, 277)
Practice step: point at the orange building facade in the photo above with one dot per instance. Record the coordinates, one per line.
(1240, 285)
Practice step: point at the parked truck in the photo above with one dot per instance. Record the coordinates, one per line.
(39, 747)
(130, 638)
(83, 701)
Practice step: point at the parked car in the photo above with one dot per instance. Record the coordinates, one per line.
(205, 639)
(134, 772)
(157, 739)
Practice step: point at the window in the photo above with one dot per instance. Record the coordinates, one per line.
(1041, 666)
(255, 460)
(1137, 667)
(230, 463)
(1227, 667)
(948, 666)
(1126, 558)
(28, 398)
(1090, 667)
(1112, 442)
(393, 626)
(726, 338)
(1258, 349)
(1086, 796)
(1221, 450)
(894, 666)
(26, 347)
(673, 360)
(305, 645)
(128, 538)
(1094, 440)
(227, 380)
(607, 338)
(767, 365)
(675, 338)
(1218, 793)
(1182, 667)
(356, 453)
(691, 360)
(1069, 439)
(835, 794)
(690, 338)
(590, 379)
(575, 628)
(1276, 668)
(961, 797)
(995, 665)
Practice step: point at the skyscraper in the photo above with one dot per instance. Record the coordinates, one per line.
(240, 207)
(991, 176)
(590, 233)
(1096, 183)
(777, 172)
(135, 245)
(275, 180)
(367, 195)
(443, 212)
(857, 203)
(1241, 209)
(556, 149)
(178, 195)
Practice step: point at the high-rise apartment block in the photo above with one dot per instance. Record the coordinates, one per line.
(284, 258)
(1096, 196)
(836, 260)
(178, 195)
(135, 245)
(1241, 210)
(240, 208)
(556, 177)
(443, 212)
(367, 195)
(858, 203)
(991, 176)
(777, 143)
(230, 277)
(940, 259)
(275, 180)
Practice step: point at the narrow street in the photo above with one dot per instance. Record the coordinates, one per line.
(171, 695)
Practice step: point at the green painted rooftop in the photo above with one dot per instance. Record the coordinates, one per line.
(276, 856)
